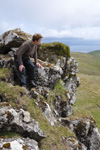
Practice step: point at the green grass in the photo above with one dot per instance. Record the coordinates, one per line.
(57, 47)
(95, 53)
(4, 73)
(8, 134)
(88, 101)
(88, 93)
(16, 97)
(88, 64)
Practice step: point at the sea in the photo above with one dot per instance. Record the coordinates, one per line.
(76, 44)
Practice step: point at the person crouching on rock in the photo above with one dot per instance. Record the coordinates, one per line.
(23, 62)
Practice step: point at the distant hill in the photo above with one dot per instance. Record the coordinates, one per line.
(88, 64)
(95, 53)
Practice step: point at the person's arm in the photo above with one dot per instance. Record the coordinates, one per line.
(36, 61)
(20, 53)
(35, 57)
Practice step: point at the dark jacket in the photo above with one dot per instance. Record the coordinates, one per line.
(26, 50)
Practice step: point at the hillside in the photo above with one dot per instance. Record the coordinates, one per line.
(88, 64)
(88, 94)
(95, 53)
(48, 117)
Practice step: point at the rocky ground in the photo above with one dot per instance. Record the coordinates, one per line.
(40, 116)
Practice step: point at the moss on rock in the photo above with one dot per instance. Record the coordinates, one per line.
(6, 145)
(25, 147)
(4, 74)
(52, 50)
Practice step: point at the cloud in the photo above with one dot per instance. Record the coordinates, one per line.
(59, 18)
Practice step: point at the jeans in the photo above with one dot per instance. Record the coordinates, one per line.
(29, 66)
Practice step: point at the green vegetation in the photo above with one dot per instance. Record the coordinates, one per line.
(17, 97)
(87, 104)
(95, 53)
(7, 134)
(10, 93)
(88, 93)
(88, 64)
(4, 73)
(57, 48)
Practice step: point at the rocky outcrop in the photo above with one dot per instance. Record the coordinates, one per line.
(19, 121)
(12, 38)
(86, 131)
(51, 52)
(18, 144)
(42, 104)
(47, 77)
(61, 107)
(55, 96)
(73, 143)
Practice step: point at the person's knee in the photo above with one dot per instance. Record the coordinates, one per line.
(31, 67)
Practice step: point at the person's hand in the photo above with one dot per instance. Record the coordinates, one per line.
(38, 65)
(21, 68)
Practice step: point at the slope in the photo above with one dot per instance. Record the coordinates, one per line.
(88, 93)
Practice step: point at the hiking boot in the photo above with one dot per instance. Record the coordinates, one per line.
(32, 83)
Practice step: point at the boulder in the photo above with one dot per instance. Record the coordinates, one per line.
(73, 143)
(44, 106)
(19, 121)
(51, 52)
(61, 107)
(85, 130)
(18, 144)
(12, 38)
(48, 75)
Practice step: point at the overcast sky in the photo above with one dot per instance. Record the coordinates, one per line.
(52, 18)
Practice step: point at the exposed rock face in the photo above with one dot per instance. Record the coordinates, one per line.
(43, 105)
(56, 109)
(86, 132)
(6, 62)
(47, 111)
(74, 144)
(71, 81)
(20, 122)
(48, 76)
(50, 52)
(18, 144)
(12, 38)
(62, 109)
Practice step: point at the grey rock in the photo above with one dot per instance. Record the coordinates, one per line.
(94, 139)
(72, 65)
(86, 131)
(71, 86)
(74, 144)
(12, 38)
(47, 111)
(6, 62)
(19, 121)
(48, 76)
(18, 144)
(43, 91)
(33, 93)
(61, 62)
(62, 108)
